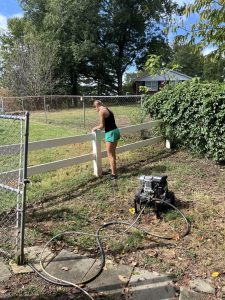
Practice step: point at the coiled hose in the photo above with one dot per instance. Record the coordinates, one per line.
(52, 279)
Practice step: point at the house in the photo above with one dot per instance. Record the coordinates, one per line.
(155, 82)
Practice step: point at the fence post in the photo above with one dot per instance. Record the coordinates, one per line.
(96, 146)
(2, 108)
(45, 109)
(22, 102)
(84, 113)
(25, 181)
(168, 144)
(141, 101)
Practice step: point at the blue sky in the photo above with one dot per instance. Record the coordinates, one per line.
(8, 8)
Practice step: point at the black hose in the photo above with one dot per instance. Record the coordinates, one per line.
(61, 282)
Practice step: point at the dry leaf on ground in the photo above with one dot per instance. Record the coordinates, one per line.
(122, 278)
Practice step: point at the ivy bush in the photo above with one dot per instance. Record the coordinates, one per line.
(193, 114)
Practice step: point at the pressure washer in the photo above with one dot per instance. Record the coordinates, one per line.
(153, 192)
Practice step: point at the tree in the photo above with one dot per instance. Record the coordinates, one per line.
(159, 46)
(127, 27)
(189, 59)
(73, 25)
(35, 11)
(28, 61)
(99, 39)
(209, 29)
(214, 70)
(129, 80)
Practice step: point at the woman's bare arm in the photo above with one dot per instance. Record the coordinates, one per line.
(101, 121)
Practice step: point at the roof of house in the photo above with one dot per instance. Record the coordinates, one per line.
(170, 75)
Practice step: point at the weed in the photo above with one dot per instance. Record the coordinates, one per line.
(81, 241)
(148, 260)
(103, 206)
(171, 215)
(178, 273)
(178, 184)
(190, 253)
(28, 290)
(199, 172)
(133, 241)
(200, 196)
(116, 247)
(190, 218)
(100, 193)
(59, 293)
(123, 244)
(32, 235)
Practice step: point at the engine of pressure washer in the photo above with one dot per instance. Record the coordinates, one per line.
(153, 191)
(154, 186)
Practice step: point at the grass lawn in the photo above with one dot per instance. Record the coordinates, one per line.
(73, 199)
(81, 122)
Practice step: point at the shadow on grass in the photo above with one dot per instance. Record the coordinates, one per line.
(132, 169)
(57, 214)
(182, 203)
(125, 172)
(67, 193)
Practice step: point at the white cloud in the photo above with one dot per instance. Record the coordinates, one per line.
(208, 50)
(18, 15)
(182, 2)
(3, 22)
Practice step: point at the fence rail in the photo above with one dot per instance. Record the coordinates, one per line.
(96, 156)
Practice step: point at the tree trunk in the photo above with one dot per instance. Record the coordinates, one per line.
(74, 85)
(120, 83)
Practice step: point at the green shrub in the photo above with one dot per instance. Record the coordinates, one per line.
(193, 114)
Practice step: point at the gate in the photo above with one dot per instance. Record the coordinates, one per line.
(13, 179)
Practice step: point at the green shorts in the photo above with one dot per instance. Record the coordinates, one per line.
(112, 135)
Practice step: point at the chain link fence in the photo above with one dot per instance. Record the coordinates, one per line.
(13, 141)
(76, 110)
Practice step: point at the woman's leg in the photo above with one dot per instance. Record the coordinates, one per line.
(111, 153)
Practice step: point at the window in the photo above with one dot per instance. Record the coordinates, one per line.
(152, 85)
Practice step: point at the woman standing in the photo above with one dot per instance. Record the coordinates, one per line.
(112, 134)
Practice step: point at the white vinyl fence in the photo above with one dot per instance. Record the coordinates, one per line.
(96, 155)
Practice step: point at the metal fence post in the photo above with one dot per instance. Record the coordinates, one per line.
(84, 113)
(96, 146)
(2, 108)
(142, 99)
(45, 109)
(22, 103)
(25, 181)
